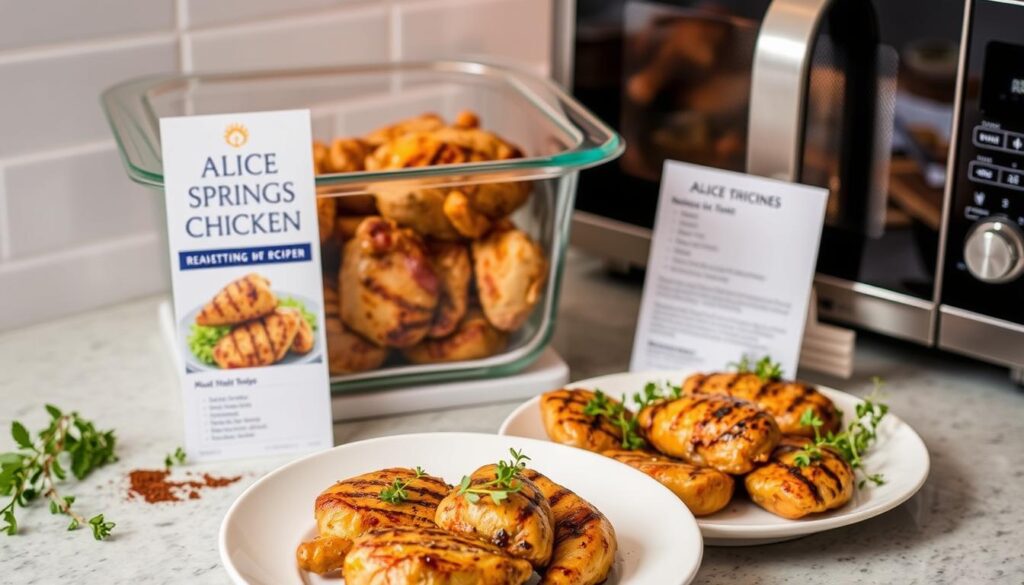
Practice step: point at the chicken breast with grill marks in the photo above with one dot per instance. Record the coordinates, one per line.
(785, 400)
(407, 555)
(454, 271)
(350, 508)
(712, 430)
(387, 284)
(788, 490)
(520, 525)
(566, 423)
(585, 544)
(703, 490)
(247, 298)
(260, 342)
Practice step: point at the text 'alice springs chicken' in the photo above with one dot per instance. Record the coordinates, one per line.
(401, 526)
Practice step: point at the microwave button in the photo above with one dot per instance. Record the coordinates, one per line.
(983, 173)
(1015, 142)
(988, 138)
(1012, 179)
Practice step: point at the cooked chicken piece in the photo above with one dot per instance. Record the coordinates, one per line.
(466, 119)
(345, 226)
(352, 507)
(388, 287)
(429, 556)
(474, 338)
(326, 210)
(454, 270)
(260, 342)
(703, 490)
(510, 271)
(304, 338)
(487, 145)
(712, 430)
(461, 214)
(585, 542)
(422, 123)
(347, 352)
(421, 209)
(790, 491)
(786, 401)
(521, 525)
(566, 423)
(241, 300)
(319, 156)
(346, 155)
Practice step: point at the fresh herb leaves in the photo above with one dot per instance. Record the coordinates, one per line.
(395, 493)
(852, 443)
(764, 368)
(176, 458)
(68, 443)
(617, 414)
(503, 484)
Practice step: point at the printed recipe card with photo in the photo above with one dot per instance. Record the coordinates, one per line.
(245, 269)
(730, 270)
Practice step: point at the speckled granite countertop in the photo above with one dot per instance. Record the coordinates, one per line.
(963, 527)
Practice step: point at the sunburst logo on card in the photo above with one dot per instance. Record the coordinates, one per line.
(236, 135)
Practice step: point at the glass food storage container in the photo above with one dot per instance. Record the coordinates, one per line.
(484, 166)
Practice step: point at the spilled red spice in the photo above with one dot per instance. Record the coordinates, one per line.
(155, 486)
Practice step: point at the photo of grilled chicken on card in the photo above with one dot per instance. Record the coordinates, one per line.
(247, 325)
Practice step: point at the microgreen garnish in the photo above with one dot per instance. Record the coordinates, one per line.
(617, 414)
(68, 443)
(395, 493)
(852, 443)
(764, 368)
(176, 458)
(503, 484)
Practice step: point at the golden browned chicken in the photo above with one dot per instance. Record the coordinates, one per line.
(260, 342)
(347, 352)
(349, 508)
(474, 338)
(703, 490)
(422, 123)
(520, 525)
(510, 271)
(405, 555)
(387, 285)
(788, 490)
(712, 430)
(326, 210)
(566, 423)
(454, 271)
(785, 400)
(585, 544)
(304, 338)
(241, 300)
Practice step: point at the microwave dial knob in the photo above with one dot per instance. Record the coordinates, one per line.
(994, 251)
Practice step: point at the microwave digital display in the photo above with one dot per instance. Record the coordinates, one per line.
(1002, 85)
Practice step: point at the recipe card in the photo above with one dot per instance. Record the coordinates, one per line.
(245, 271)
(730, 270)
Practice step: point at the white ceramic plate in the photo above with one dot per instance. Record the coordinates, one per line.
(899, 454)
(193, 364)
(659, 541)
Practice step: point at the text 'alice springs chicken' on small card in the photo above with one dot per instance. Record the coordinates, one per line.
(730, 270)
(248, 297)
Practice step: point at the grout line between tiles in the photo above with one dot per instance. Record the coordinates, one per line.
(95, 45)
(184, 42)
(395, 30)
(287, 20)
(80, 251)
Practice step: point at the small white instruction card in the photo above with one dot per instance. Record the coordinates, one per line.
(245, 270)
(730, 270)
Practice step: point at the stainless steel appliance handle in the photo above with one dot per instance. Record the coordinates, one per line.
(778, 90)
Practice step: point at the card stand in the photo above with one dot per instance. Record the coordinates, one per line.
(826, 348)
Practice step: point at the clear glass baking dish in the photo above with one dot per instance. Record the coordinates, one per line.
(557, 137)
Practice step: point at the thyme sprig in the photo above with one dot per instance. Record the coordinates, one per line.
(395, 493)
(68, 443)
(852, 443)
(617, 413)
(502, 486)
(176, 458)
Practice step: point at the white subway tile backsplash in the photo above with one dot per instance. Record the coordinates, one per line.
(53, 101)
(204, 13)
(71, 201)
(26, 23)
(53, 286)
(357, 35)
(516, 31)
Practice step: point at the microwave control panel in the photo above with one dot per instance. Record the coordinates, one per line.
(984, 256)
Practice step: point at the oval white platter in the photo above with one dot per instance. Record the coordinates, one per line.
(658, 539)
(899, 455)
